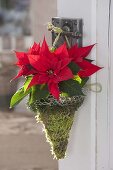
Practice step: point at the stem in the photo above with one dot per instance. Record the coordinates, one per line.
(67, 41)
(57, 30)
(56, 40)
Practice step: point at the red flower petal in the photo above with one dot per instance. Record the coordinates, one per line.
(88, 69)
(44, 50)
(43, 79)
(38, 79)
(25, 71)
(62, 52)
(84, 51)
(39, 62)
(35, 46)
(53, 62)
(34, 81)
(65, 74)
(61, 64)
(54, 90)
(22, 58)
(20, 73)
(35, 49)
(65, 62)
(72, 51)
(77, 54)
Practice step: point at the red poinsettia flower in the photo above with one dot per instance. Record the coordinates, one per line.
(51, 67)
(78, 57)
(23, 61)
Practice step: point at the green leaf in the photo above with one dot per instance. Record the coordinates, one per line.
(18, 96)
(84, 81)
(74, 68)
(71, 87)
(87, 59)
(26, 84)
(37, 93)
(64, 94)
(77, 78)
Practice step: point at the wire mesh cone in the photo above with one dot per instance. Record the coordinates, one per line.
(57, 120)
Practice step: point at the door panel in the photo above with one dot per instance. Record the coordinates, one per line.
(91, 140)
(111, 86)
(79, 148)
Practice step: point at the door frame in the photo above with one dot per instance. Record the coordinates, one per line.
(102, 103)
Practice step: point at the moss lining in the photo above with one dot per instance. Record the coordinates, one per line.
(57, 121)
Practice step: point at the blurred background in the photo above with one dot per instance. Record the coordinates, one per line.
(22, 143)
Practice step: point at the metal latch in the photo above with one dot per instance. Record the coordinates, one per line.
(72, 29)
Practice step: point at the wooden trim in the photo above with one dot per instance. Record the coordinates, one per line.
(93, 80)
(110, 104)
(103, 78)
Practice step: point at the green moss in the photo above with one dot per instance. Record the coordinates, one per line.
(57, 121)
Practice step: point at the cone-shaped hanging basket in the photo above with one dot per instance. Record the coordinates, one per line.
(57, 119)
(61, 72)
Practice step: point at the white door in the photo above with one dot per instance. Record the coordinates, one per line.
(91, 139)
(111, 89)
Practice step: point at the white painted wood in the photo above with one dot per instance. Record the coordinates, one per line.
(111, 90)
(91, 139)
(93, 80)
(41, 14)
(103, 77)
(77, 9)
(79, 150)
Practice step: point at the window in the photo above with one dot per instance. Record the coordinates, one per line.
(14, 23)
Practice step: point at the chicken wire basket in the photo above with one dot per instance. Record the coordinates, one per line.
(57, 118)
